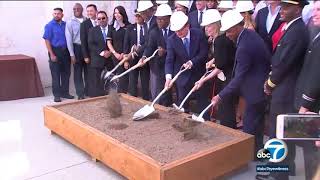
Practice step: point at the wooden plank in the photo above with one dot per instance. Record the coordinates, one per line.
(212, 163)
(120, 157)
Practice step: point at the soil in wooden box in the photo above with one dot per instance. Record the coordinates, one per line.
(164, 137)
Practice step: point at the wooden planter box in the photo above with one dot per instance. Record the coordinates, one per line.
(204, 165)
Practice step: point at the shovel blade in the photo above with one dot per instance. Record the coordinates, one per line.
(176, 107)
(143, 112)
(197, 118)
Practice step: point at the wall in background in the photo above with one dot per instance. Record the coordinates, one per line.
(23, 24)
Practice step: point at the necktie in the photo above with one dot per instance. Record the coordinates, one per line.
(104, 34)
(186, 45)
(141, 40)
(165, 34)
(200, 18)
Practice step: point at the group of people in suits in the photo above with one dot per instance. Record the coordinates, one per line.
(270, 61)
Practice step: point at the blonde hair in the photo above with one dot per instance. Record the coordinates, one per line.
(217, 26)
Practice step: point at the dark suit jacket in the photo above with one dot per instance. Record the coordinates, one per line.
(193, 19)
(287, 61)
(97, 44)
(177, 55)
(308, 85)
(251, 69)
(84, 30)
(156, 40)
(153, 24)
(130, 39)
(261, 28)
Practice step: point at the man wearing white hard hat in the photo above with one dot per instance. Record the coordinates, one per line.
(221, 53)
(245, 8)
(195, 17)
(158, 40)
(251, 68)
(145, 8)
(136, 35)
(188, 47)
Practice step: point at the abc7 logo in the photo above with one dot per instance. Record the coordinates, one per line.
(275, 150)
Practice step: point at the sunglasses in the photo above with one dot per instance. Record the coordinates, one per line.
(103, 18)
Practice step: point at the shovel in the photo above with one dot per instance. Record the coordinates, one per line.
(200, 117)
(105, 75)
(149, 109)
(180, 108)
(139, 64)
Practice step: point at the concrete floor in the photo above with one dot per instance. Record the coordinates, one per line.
(29, 152)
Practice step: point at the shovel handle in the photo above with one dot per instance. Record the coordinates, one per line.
(205, 110)
(126, 72)
(152, 56)
(182, 69)
(159, 95)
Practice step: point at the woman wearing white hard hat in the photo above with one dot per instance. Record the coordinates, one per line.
(252, 66)
(187, 48)
(221, 53)
(246, 9)
(225, 6)
(181, 5)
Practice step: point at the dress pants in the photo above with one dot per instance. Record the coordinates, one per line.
(144, 74)
(96, 86)
(80, 72)
(60, 72)
(157, 82)
(253, 122)
(201, 97)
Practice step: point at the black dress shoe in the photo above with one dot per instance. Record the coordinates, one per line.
(68, 96)
(57, 99)
(80, 97)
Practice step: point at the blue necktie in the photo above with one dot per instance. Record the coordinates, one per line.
(186, 45)
(104, 34)
(141, 35)
(165, 34)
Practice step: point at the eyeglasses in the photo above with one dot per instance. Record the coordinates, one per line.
(103, 18)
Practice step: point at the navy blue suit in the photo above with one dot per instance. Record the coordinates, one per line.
(193, 19)
(157, 65)
(177, 55)
(251, 69)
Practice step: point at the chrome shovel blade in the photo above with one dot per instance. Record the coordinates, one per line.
(197, 118)
(176, 107)
(143, 112)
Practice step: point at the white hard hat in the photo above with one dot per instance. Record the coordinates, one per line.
(183, 3)
(225, 5)
(229, 19)
(244, 6)
(163, 10)
(144, 5)
(161, 1)
(178, 20)
(210, 16)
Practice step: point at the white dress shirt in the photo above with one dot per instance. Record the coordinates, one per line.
(271, 18)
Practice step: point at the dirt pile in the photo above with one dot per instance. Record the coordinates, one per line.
(113, 104)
